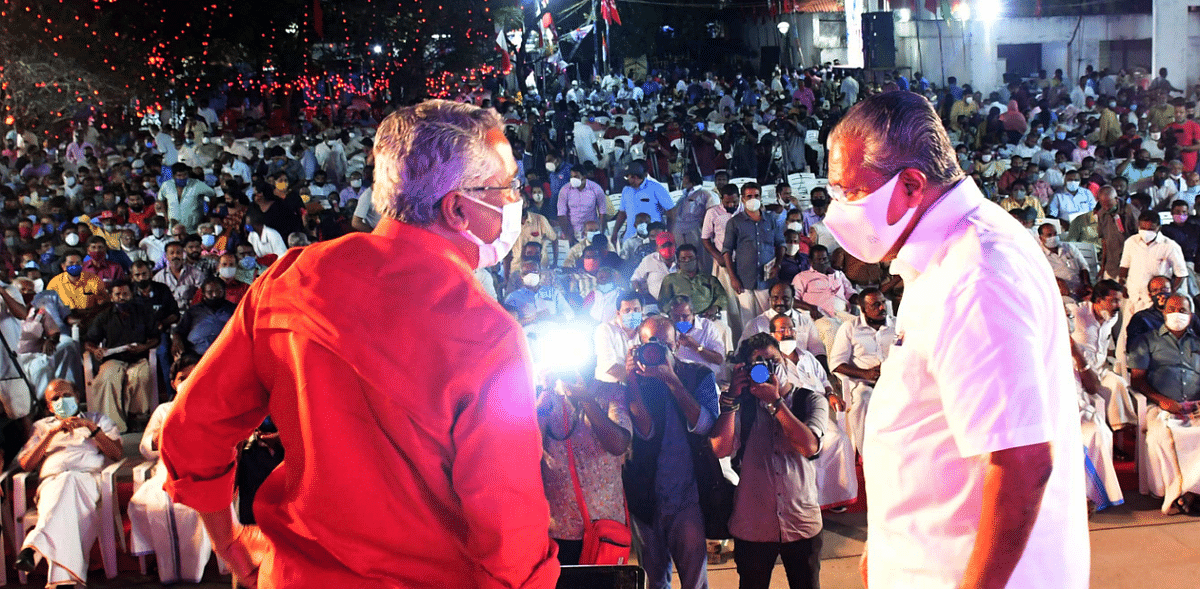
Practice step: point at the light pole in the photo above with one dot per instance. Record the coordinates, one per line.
(785, 55)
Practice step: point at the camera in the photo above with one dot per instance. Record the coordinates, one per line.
(651, 353)
(760, 371)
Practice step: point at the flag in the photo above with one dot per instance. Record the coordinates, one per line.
(608, 11)
(506, 61)
(318, 19)
(578, 34)
(549, 35)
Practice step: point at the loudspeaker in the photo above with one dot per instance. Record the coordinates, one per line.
(879, 40)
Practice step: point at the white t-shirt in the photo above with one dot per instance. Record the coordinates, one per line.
(1161, 257)
(981, 363)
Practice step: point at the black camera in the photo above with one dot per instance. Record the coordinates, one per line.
(761, 370)
(651, 353)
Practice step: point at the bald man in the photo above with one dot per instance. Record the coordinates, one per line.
(68, 449)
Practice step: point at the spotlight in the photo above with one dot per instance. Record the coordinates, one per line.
(377, 49)
(989, 10)
(784, 26)
(904, 15)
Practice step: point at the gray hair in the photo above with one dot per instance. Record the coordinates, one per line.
(901, 130)
(423, 152)
(297, 239)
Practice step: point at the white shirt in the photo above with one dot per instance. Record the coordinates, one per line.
(1161, 257)
(981, 363)
(828, 292)
(807, 373)
(705, 334)
(807, 336)
(715, 219)
(585, 143)
(155, 248)
(267, 242)
(860, 345)
(1066, 264)
(1092, 336)
(611, 346)
(653, 269)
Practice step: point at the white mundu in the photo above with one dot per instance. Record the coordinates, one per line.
(981, 363)
(1103, 488)
(1094, 337)
(67, 497)
(171, 531)
(837, 477)
(862, 346)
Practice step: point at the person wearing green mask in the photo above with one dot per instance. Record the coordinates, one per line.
(67, 449)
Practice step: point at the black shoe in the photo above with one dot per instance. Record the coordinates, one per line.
(25, 562)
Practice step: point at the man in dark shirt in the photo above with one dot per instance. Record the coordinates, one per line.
(1184, 230)
(1149, 320)
(753, 248)
(121, 338)
(201, 324)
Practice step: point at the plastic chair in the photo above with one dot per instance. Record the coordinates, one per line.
(24, 516)
(1142, 454)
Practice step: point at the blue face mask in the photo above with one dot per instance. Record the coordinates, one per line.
(1060, 135)
(607, 287)
(208, 240)
(75, 270)
(248, 263)
(65, 407)
(632, 320)
(683, 326)
(180, 183)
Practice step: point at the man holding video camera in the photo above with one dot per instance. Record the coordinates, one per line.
(673, 405)
(773, 429)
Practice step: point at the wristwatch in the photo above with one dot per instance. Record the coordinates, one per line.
(94, 432)
(773, 407)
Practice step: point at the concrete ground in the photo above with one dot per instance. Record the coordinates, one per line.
(1133, 546)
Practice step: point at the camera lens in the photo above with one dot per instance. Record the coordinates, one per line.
(760, 373)
(652, 354)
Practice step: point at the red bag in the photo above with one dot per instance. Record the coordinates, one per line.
(605, 541)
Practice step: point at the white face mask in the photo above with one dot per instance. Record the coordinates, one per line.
(69, 181)
(72, 239)
(551, 166)
(641, 229)
(1178, 321)
(787, 346)
(217, 229)
(227, 272)
(576, 182)
(1148, 236)
(792, 249)
(861, 227)
(796, 226)
(1155, 136)
(1051, 242)
(753, 205)
(985, 158)
(490, 254)
(532, 280)
(1072, 185)
(356, 183)
(158, 231)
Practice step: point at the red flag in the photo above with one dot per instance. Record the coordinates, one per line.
(506, 61)
(608, 11)
(318, 19)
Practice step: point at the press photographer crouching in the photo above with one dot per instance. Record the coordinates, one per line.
(673, 404)
(773, 429)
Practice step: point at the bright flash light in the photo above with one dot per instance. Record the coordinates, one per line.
(783, 27)
(904, 15)
(961, 12)
(377, 49)
(558, 348)
(989, 10)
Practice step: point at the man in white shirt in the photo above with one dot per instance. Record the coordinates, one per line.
(266, 241)
(68, 449)
(859, 349)
(613, 339)
(783, 298)
(700, 340)
(1073, 200)
(966, 483)
(586, 143)
(1146, 255)
(155, 244)
(650, 272)
(823, 288)
(712, 236)
(1092, 332)
(1066, 261)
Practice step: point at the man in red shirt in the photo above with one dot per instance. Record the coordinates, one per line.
(413, 451)
(1187, 133)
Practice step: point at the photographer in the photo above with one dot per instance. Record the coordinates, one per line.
(773, 428)
(673, 404)
(586, 430)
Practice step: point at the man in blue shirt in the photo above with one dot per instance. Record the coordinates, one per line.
(642, 195)
(753, 248)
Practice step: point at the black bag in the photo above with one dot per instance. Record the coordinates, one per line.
(257, 459)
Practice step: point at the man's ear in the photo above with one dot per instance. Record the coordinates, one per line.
(453, 216)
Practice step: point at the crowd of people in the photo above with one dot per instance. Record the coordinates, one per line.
(656, 216)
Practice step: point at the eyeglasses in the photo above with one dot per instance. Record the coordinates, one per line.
(514, 186)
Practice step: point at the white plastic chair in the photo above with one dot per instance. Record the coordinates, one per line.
(24, 516)
(1142, 454)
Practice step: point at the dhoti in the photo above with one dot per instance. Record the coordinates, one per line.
(68, 524)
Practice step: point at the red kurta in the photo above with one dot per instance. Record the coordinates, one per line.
(404, 399)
